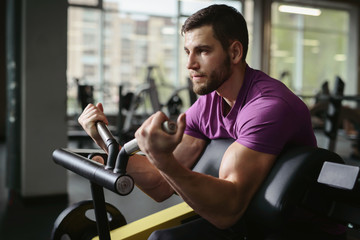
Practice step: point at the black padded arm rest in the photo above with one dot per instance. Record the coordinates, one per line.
(210, 160)
(343, 187)
(292, 182)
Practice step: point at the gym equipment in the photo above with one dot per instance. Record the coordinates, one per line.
(328, 108)
(174, 104)
(167, 218)
(292, 183)
(85, 95)
(73, 222)
(332, 118)
(148, 88)
(312, 178)
(329, 114)
(129, 119)
(111, 176)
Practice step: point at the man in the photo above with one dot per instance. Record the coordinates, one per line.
(258, 112)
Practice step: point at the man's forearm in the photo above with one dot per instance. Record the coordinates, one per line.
(148, 178)
(214, 199)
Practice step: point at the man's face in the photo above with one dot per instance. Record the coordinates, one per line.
(208, 63)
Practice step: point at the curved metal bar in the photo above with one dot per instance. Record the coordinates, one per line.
(111, 144)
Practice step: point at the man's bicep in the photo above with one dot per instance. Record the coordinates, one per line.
(246, 168)
(189, 150)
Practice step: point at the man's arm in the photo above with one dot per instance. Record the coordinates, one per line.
(222, 201)
(146, 176)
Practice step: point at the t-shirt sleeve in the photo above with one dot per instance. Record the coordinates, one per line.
(266, 125)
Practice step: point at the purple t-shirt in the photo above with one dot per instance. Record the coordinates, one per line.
(267, 116)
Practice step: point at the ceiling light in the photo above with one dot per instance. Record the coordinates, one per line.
(300, 10)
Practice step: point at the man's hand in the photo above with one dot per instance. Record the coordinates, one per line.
(155, 142)
(88, 119)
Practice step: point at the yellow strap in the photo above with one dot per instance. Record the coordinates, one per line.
(142, 228)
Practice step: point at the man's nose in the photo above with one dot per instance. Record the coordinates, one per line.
(192, 62)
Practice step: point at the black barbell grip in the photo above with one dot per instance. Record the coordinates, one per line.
(132, 147)
(110, 142)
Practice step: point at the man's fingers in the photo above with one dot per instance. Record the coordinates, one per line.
(181, 124)
(100, 106)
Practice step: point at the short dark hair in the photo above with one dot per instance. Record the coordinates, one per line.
(227, 23)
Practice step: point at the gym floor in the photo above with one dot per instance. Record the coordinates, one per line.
(33, 218)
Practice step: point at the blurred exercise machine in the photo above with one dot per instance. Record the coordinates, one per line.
(129, 119)
(329, 109)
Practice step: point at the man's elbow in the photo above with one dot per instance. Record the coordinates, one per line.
(160, 198)
(224, 224)
(226, 221)
(162, 195)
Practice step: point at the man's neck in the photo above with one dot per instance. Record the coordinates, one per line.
(229, 90)
(225, 107)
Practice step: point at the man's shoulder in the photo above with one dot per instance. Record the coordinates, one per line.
(256, 74)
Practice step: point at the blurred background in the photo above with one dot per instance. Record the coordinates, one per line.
(58, 56)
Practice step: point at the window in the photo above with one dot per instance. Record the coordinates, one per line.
(112, 43)
(85, 2)
(307, 50)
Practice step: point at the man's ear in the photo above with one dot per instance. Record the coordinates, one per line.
(236, 51)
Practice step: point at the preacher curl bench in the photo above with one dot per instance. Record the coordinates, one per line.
(314, 179)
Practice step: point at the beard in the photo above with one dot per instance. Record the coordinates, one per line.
(217, 77)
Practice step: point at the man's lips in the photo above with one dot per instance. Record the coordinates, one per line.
(197, 77)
